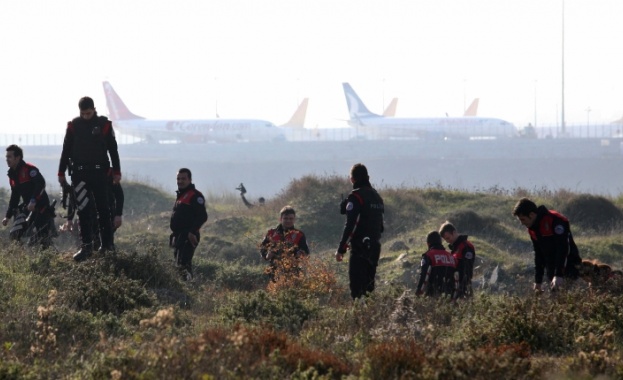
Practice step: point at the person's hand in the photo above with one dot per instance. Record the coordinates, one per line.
(116, 179)
(5, 221)
(339, 256)
(118, 221)
(61, 179)
(193, 239)
(557, 282)
(31, 205)
(538, 287)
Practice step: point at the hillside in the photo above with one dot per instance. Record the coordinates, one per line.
(128, 316)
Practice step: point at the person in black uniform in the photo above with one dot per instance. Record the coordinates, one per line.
(189, 214)
(437, 269)
(115, 205)
(362, 232)
(28, 184)
(89, 141)
(465, 255)
(555, 251)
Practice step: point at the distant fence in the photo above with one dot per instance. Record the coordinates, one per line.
(48, 139)
(338, 134)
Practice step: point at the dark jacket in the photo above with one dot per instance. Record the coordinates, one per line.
(26, 183)
(189, 211)
(287, 238)
(364, 216)
(465, 254)
(437, 274)
(88, 143)
(554, 248)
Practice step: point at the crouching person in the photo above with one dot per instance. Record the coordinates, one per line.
(189, 214)
(284, 240)
(438, 274)
(35, 214)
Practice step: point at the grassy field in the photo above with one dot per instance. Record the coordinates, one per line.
(128, 315)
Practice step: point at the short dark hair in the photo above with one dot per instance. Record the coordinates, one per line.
(446, 227)
(187, 171)
(85, 103)
(17, 151)
(359, 172)
(524, 207)
(433, 239)
(287, 210)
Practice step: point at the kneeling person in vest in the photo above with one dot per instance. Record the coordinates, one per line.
(438, 273)
(283, 239)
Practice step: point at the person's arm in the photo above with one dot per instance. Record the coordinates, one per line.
(117, 191)
(561, 242)
(539, 264)
(199, 218)
(302, 245)
(13, 203)
(39, 184)
(113, 152)
(424, 265)
(66, 152)
(353, 210)
(264, 245)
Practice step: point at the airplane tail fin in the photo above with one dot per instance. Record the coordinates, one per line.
(472, 110)
(390, 111)
(116, 108)
(298, 118)
(356, 108)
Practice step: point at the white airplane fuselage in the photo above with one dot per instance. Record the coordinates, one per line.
(449, 127)
(225, 130)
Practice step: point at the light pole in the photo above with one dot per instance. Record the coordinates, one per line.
(535, 81)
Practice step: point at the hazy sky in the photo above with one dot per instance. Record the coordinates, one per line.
(258, 59)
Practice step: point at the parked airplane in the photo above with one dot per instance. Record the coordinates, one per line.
(377, 126)
(390, 111)
(187, 131)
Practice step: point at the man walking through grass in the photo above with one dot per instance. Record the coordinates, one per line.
(362, 232)
(555, 252)
(189, 214)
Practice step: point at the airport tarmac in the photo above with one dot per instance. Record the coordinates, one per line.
(580, 165)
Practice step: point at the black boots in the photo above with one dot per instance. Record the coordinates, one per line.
(85, 251)
(106, 248)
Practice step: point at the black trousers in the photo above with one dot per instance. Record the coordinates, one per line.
(183, 250)
(362, 268)
(91, 185)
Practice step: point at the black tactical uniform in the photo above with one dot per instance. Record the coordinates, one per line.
(189, 214)
(362, 232)
(86, 148)
(28, 184)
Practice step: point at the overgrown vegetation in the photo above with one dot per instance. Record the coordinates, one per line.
(129, 316)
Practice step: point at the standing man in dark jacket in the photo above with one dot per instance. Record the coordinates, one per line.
(28, 184)
(437, 269)
(555, 251)
(362, 232)
(465, 255)
(89, 141)
(189, 214)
